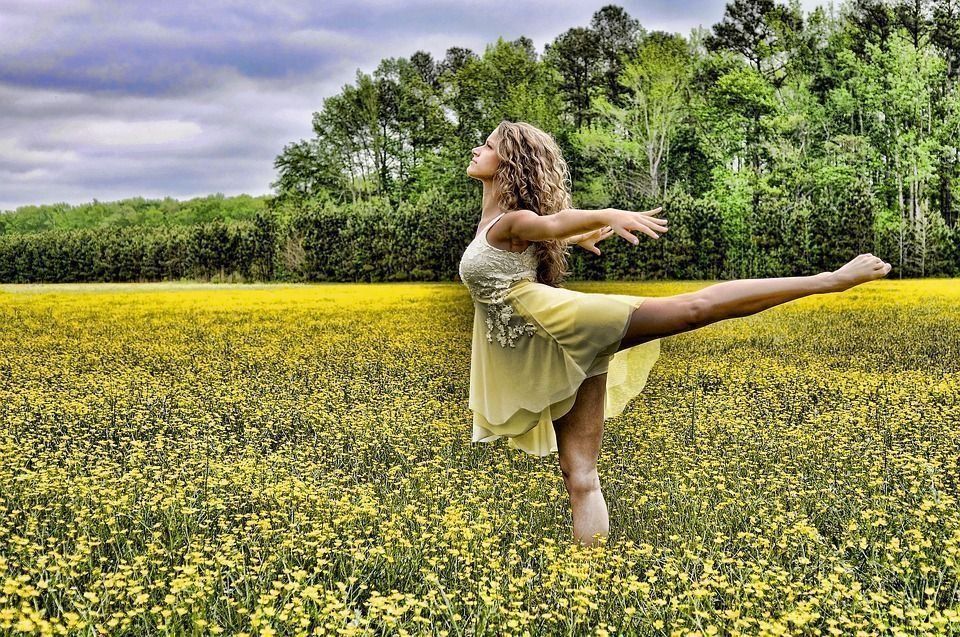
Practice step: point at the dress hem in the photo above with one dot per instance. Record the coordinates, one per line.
(537, 408)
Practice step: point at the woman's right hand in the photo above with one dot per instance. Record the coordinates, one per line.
(589, 240)
(624, 222)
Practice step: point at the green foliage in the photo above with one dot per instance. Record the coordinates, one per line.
(214, 250)
(696, 251)
(421, 240)
(631, 143)
(134, 212)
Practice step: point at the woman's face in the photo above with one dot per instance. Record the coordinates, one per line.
(484, 163)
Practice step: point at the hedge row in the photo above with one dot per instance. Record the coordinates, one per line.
(203, 251)
(423, 241)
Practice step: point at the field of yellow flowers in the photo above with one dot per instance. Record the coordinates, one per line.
(201, 459)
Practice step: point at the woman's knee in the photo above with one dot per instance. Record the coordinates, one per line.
(661, 317)
(581, 479)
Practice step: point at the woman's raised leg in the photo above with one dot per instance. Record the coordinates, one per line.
(579, 432)
(665, 316)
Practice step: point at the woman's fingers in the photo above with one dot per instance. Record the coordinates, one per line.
(649, 216)
(628, 236)
(659, 224)
(650, 213)
(646, 230)
(646, 223)
(643, 221)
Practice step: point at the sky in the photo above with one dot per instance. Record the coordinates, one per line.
(108, 100)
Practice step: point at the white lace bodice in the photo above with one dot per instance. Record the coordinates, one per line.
(488, 273)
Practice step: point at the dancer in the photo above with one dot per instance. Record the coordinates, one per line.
(549, 365)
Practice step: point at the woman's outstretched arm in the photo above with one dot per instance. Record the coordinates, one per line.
(527, 225)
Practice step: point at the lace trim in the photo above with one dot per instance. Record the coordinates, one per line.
(499, 315)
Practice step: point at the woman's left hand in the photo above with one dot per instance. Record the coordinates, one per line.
(589, 240)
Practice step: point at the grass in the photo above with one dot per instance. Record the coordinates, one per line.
(295, 459)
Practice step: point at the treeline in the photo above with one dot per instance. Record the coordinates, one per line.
(235, 250)
(132, 212)
(422, 240)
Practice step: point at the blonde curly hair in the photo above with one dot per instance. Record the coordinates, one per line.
(534, 176)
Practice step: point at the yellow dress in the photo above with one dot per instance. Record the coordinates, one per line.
(534, 344)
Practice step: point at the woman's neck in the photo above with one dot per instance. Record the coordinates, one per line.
(490, 208)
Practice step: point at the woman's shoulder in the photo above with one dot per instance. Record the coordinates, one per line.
(503, 235)
(522, 212)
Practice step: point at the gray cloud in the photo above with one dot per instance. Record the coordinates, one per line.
(109, 100)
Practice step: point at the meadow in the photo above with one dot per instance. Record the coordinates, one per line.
(196, 459)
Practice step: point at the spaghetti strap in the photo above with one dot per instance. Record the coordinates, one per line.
(488, 225)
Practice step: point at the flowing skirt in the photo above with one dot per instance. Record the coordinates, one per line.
(517, 392)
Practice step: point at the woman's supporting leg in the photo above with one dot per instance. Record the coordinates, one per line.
(579, 432)
(665, 316)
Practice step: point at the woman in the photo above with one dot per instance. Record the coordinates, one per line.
(548, 364)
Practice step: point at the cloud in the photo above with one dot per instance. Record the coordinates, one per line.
(124, 133)
(12, 153)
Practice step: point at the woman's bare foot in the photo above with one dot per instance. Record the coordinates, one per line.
(860, 269)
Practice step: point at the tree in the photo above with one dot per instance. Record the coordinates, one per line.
(946, 34)
(758, 30)
(915, 17)
(618, 35)
(305, 171)
(656, 82)
(868, 22)
(575, 54)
